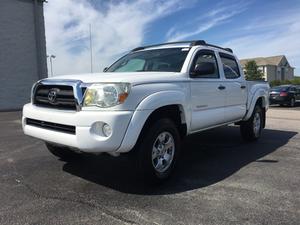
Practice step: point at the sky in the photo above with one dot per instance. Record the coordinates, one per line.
(252, 28)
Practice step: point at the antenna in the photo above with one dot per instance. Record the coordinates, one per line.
(91, 48)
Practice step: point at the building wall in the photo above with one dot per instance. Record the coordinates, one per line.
(22, 51)
(271, 72)
(275, 73)
(284, 70)
(290, 73)
(284, 73)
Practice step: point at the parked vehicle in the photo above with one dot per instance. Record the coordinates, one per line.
(285, 95)
(145, 103)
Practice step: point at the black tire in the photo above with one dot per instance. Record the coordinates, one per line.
(145, 148)
(249, 131)
(61, 152)
(292, 102)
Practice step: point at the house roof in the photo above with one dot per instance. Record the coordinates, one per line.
(263, 61)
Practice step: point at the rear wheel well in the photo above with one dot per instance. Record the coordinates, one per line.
(261, 103)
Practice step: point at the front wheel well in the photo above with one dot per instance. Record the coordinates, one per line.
(173, 112)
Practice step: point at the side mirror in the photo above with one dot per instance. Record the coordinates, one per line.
(105, 69)
(203, 68)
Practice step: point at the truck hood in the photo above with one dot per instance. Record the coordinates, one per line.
(133, 77)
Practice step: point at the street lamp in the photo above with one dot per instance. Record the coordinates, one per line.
(51, 66)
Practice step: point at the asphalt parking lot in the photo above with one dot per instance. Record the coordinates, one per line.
(219, 180)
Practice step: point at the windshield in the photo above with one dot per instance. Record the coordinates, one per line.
(163, 60)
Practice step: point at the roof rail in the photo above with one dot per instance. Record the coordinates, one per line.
(192, 43)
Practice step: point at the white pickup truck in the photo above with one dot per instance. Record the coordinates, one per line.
(146, 102)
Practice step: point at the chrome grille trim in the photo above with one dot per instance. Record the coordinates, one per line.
(77, 86)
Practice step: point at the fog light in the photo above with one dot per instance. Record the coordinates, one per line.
(106, 130)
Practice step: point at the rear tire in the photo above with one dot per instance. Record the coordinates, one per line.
(158, 150)
(61, 152)
(292, 102)
(251, 129)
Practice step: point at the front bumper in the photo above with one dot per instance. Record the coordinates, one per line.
(85, 139)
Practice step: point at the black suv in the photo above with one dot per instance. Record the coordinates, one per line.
(285, 95)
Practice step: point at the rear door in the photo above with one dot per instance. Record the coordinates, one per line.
(207, 98)
(236, 91)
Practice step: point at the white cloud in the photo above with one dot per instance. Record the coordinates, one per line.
(120, 26)
(270, 36)
(222, 13)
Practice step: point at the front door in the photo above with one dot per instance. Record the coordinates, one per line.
(207, 94)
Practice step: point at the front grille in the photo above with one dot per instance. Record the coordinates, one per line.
(63, 99)
(51, 126)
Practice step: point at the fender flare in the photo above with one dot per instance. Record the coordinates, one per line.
(144, 110)
(258, 94)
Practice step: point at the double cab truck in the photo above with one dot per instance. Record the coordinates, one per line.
(146, 103)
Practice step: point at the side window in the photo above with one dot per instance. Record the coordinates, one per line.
(201, 60)
(230, 66)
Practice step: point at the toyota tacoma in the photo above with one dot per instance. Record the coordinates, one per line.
(146, 103)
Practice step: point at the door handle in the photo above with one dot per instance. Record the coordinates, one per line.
(221, 87)
(243, 87)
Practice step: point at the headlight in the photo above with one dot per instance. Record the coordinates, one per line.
(106, 95)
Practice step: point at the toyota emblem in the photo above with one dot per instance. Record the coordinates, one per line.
(52, 95)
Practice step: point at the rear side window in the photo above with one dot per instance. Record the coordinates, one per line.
(230, 66)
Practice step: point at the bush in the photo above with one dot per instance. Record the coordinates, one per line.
(295, 81)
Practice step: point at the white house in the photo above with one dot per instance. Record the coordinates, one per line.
(273, 67)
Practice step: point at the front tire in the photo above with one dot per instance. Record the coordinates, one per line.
(61, 152)
(251, 129)
(158, 151)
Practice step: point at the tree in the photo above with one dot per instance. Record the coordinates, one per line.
(252, 72)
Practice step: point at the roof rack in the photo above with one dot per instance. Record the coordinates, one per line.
(216, 46)
(192, 43)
